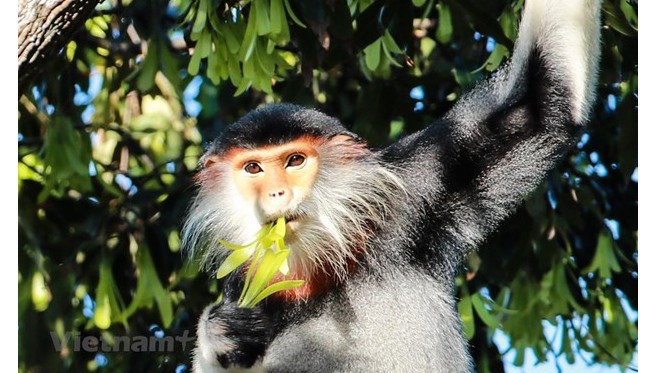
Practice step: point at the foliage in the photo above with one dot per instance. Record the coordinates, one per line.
(268, 256)
(110, 134)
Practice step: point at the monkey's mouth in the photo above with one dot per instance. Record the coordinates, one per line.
(294, 218)
(289, 218)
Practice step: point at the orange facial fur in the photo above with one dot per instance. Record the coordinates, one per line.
(267, 183)
(269, 179)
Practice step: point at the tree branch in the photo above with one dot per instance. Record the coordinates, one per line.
(44, 28)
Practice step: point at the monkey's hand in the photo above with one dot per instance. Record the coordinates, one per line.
(230, 337)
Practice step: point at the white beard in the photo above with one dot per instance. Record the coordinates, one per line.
(352, 197)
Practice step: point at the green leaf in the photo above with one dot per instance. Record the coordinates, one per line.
(493, 62)
(165, 306)
(419, 3)
(464, 78)
(566, 347)
(509, 22)
(444, 30)
(231, 38)
(249, 41)
(260, 252)
(292, 14)
(234, 260)
(109, 307)
(614, 17)
(102, 312)
(201, 17)
(232, 246)
(604, 261)
(485, 316)
(149, 289)
(40, 294)
(216, 24)
(466, 316)
(235, 73)
(249, 69)
(264, 24)
(284, 268)
(221, 50)
(280, 244)
(205, 44)
(277, 15)
(264, 61)
(270, 264)
(269, 256)
(372, 52)
(212, 68)
(390, 44)
(503, 310)
(274, 288)
(67, 157)
(194, 63)
(482, 21)
(168, 64)
(279, 228)
(628, 9)
(265, 84)
(562, 288)
(386, 53)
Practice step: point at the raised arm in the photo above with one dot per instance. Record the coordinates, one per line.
(500, 140)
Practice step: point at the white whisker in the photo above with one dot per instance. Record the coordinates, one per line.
(350, 200)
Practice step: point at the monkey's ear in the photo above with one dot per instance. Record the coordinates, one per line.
(347, 147)
(345, 139)
(208, 160)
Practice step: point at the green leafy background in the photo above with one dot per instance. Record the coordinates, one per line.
(110, 134)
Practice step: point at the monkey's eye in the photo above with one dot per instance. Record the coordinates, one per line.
(252, 168)
(296, 160)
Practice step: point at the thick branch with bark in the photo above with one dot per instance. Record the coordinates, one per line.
(44, 28)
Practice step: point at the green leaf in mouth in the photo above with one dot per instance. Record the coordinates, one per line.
(268, 255)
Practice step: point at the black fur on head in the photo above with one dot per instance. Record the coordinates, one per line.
(277, 124)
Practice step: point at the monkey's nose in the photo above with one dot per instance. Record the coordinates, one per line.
(276, 200)
(279, 193)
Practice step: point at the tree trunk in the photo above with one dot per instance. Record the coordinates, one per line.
(44, 28)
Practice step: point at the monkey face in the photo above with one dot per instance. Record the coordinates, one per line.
(276, 179)
(332, 191)
(244, 188)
